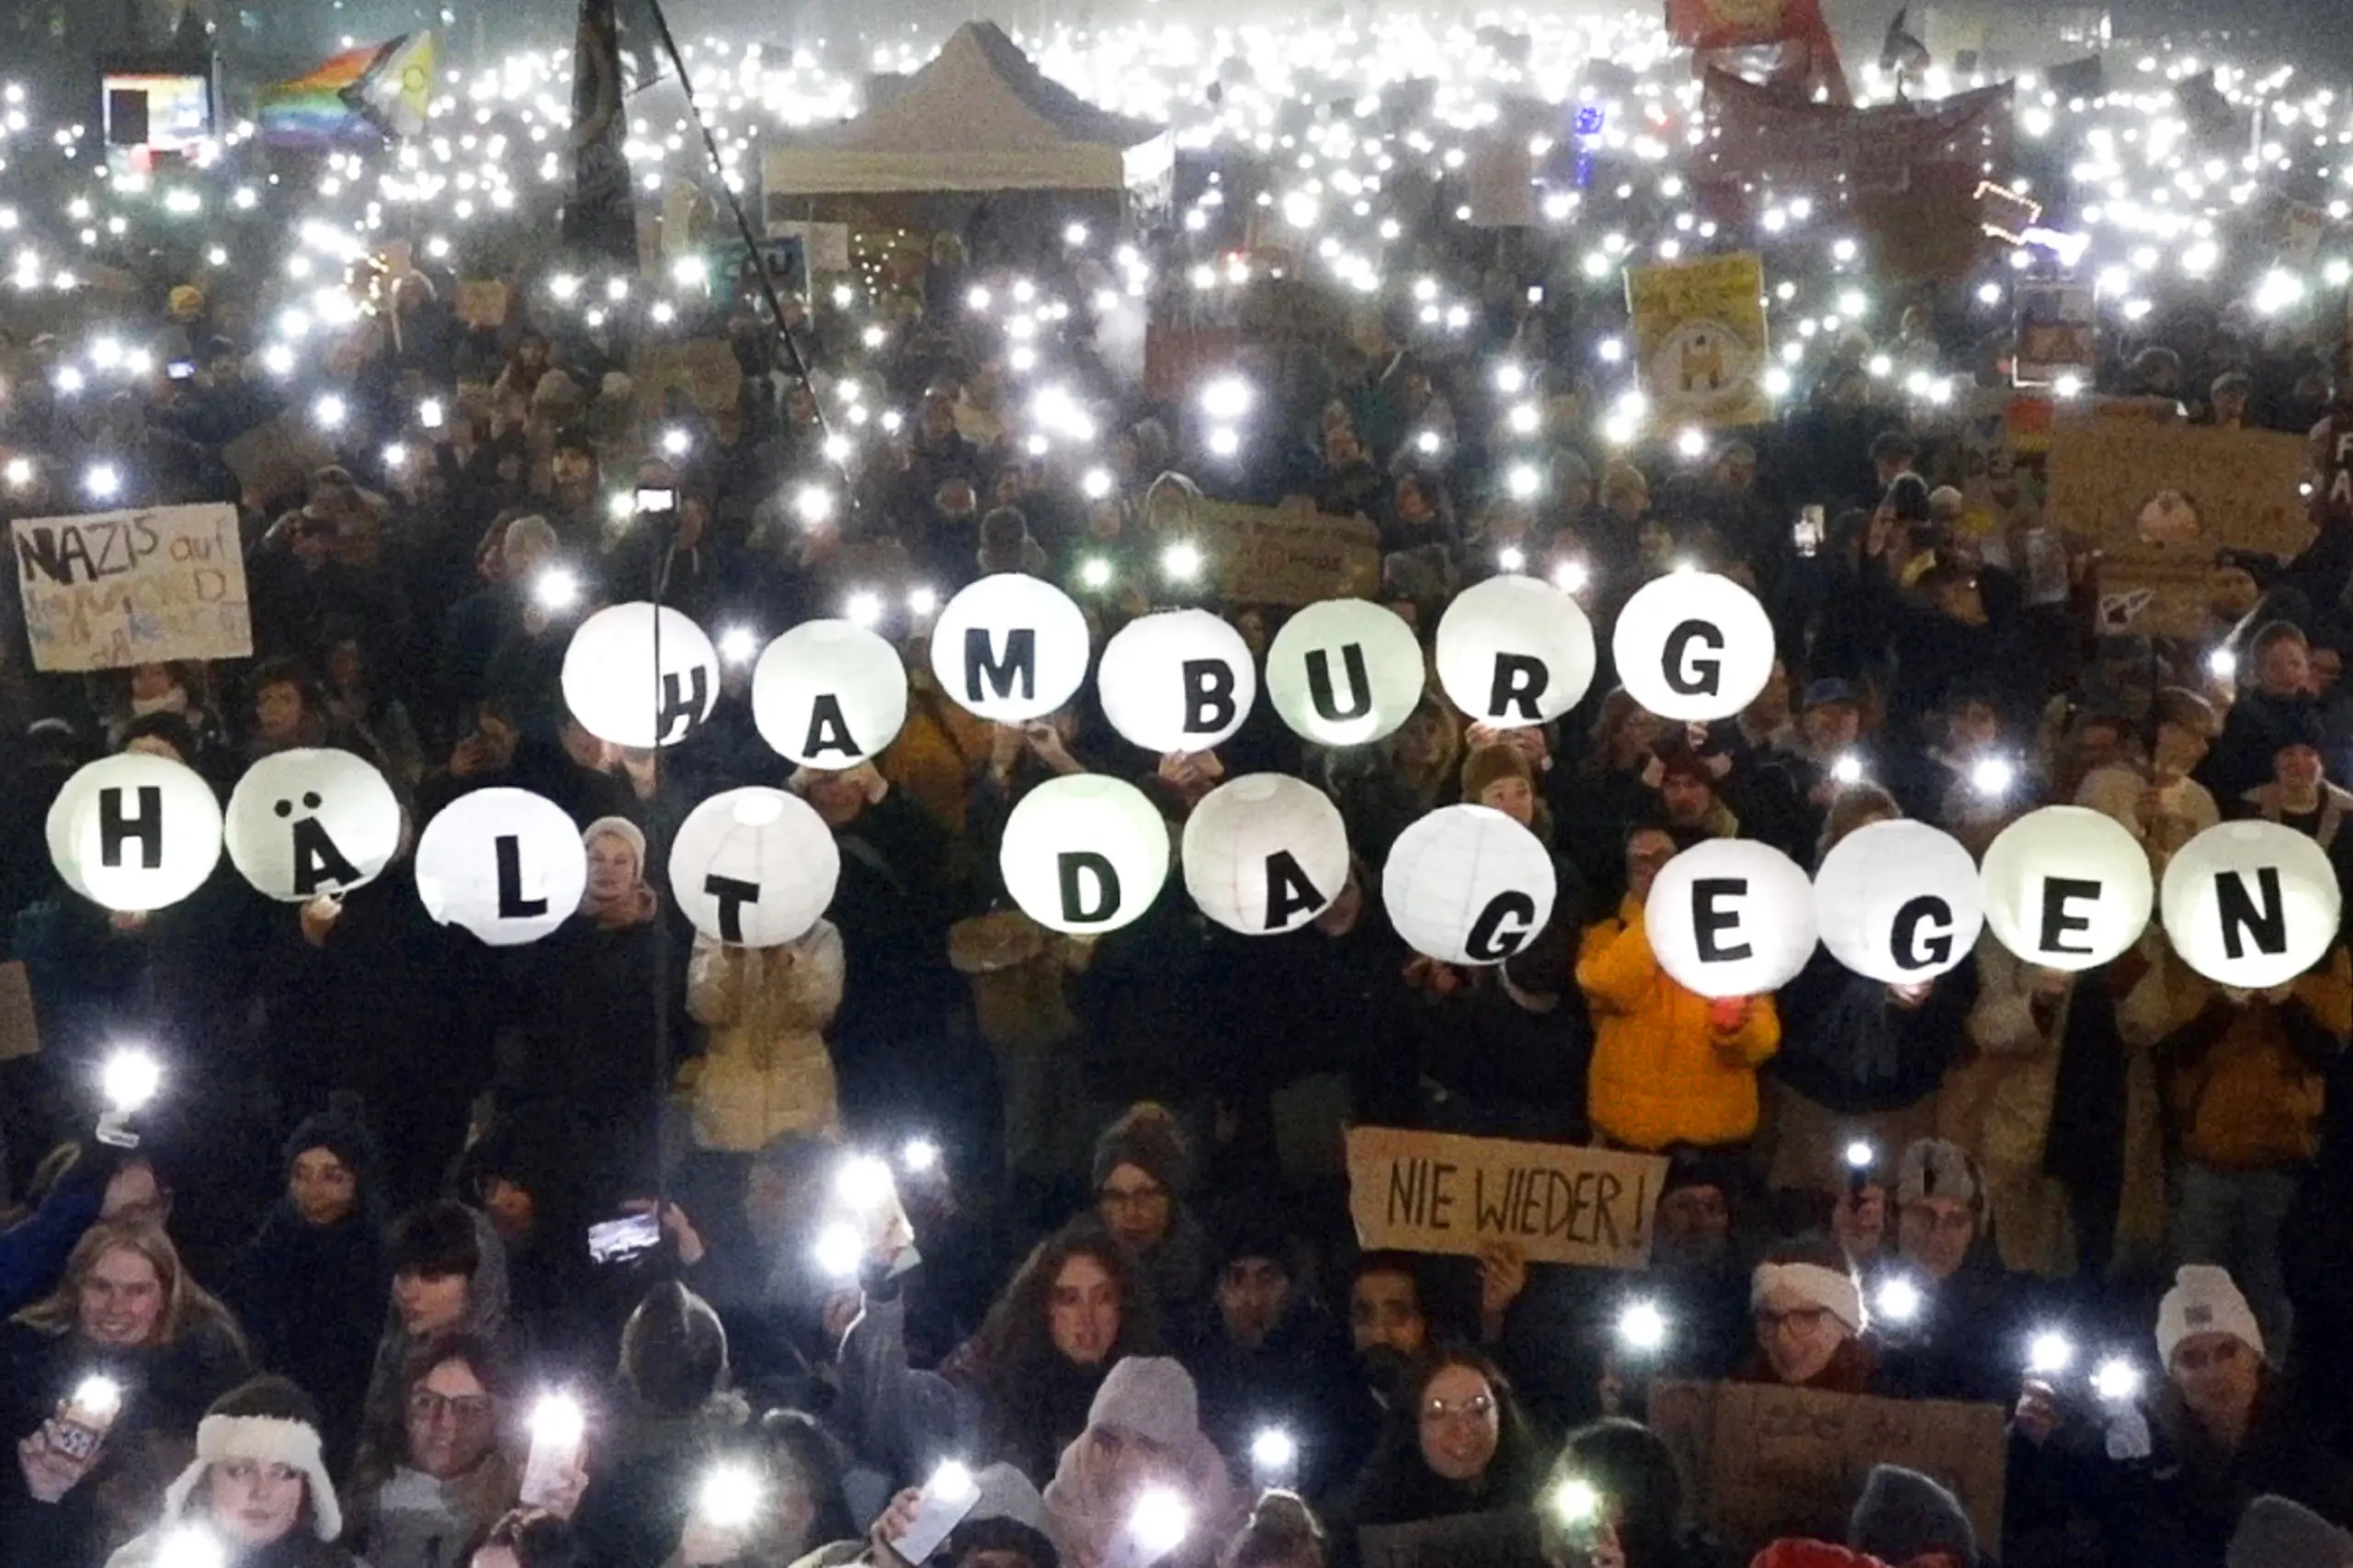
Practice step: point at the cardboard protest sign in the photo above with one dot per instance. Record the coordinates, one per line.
(277, 457)
(1561, 1203)
(111, 589)
(1290, 554)
(19, 1026)
(1501, 193)
(482, 302)
(825, 245)
(2058, 333)
(703, 368)
(1502, 1539)
(1767, 1462)
(1700, 340)
(2159, 500)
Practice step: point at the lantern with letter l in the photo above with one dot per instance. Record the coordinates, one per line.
(505, 864)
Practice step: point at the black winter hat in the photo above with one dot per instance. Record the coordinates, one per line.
(1903, 1514)
(342, 1130)
(1149, 1138)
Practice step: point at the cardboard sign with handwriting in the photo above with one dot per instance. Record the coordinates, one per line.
(106, 590)
(482, 302)
(705, 369)
(1767, 1461)
(1559, 1202)
(1290, 554)
(1500, 1539)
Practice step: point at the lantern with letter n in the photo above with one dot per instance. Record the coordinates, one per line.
(2252, 905)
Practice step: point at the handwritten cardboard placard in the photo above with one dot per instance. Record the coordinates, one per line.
(110, 590)
(704, 368)
(2158, 501)
(1290, 554)
(1767, 1461)
(1559, 1202)
(1500, 1539)
(19, 1026)
(482, 302)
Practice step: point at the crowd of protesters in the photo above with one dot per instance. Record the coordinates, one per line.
(351, 1246)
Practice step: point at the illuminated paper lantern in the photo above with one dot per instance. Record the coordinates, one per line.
(2251, 905)
(135, 832)
(1179, 681)
(1264, 853)
(1731, 917)
(1899, 902)
(505, 864)
(1010, 648)
(311, 822)
(829, 694)
(1468, 885)
(1084, 854)
(1513, 652)
(1344, 672)
(1693, 646)
(753, 868)
(2066, 888)
(610, 684)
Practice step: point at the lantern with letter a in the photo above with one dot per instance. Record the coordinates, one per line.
(1010, 648)
(1264, 853)
(1468, 885)
(2251, 905)
(312, 821)
(1514, 651)
(829, 694)
(1084, 854)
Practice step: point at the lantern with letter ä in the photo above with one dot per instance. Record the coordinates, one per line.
(1693, 646)
(1344, 672)
(1084, 854)
(612, 687)
(312, 821)
(1264, 853)
(505, 864)
(1179, 681)
(1899, 902)
(1514, 651)
(1468, 885)
(753, 868)
(2252, 905)
(1731, 917)
(829, 694)
(1010, 648)
(2066, 888)
(135, 832)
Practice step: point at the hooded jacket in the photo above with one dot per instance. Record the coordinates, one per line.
(486, 1316)
(1146, 1401)
(1660, 1073)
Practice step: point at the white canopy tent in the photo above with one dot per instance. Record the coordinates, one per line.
(980, 118)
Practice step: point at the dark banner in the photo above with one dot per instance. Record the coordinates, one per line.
(1755, 133)
(599, 212)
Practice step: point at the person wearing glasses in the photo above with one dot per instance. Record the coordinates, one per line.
(1808, 1309)
(1455, 1443)
(1143, 1168)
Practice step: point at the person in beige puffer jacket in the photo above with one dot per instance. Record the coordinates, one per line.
(767, 1070)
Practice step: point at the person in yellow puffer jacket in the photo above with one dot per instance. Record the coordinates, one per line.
(1669, 1066)
(2243, 1085)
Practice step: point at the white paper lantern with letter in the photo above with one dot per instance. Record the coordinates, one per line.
(135, 832)
(311, 821)
(753, 868)
(1264, 853)
(505, 864)
(1731, 917)
(1010, 648)
(2067, 888)
(1899, 902)
(1468, 885)
(1344, 672)
(829, 694)
(1179, 681)
(610, 682)
(1084, 854)
(1693, 646)
(1513, 652)
(2252, 905)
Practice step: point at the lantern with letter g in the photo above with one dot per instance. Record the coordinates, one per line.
(1693, 647)
(1899, 902)
(1468, 885)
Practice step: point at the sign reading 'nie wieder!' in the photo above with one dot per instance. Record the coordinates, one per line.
(111, 589)
(1559, 1202)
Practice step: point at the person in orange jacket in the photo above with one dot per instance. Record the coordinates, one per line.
(1670, 1065)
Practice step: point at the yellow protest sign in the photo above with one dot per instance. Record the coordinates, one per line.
(1700, 340)
(1559, 1202)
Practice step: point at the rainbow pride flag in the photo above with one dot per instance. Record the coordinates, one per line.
(358, 98)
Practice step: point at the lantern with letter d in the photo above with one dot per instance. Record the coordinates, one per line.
(1731, 917)
(2252, 905)
(135, 832)
(1009, 648)
(1264, 853)
(2066, 888)
(1899, 902)
(1468, 885)
(753, 868)
(1693, 647)
(1084, 854)
(505, 864)
(829, 694)
(1514, 651)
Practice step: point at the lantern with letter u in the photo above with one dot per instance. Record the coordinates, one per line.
(1731, 917)
(1264, 853)
(1514, 651)
(1084, 854)
(1899, 902)
(1468, 885)
(135, 832)
(2066, 888)
(1010, 648)
(1344, 672)
(753, 868)
(1693, 646)
(2252, 905)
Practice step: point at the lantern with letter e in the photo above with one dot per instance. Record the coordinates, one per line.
(1731, 917)
(2066, 888)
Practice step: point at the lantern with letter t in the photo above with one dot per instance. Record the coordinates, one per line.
(753, 868)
